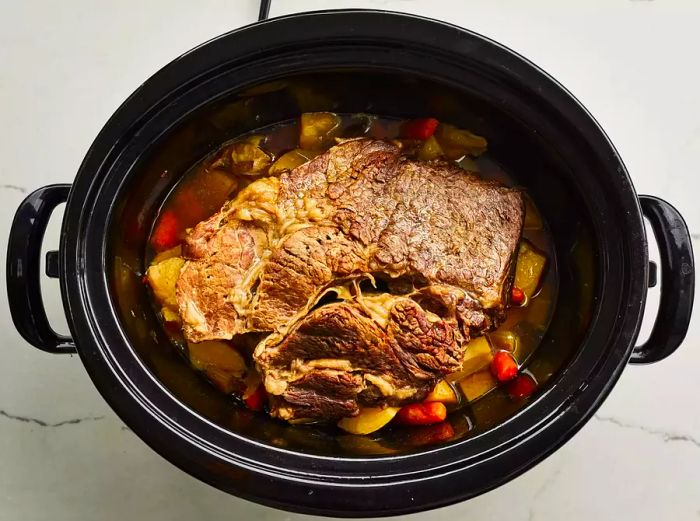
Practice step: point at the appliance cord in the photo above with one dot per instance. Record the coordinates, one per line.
(264, 10)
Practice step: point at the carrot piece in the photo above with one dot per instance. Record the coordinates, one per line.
(503, 366)
(522, 387)
(256, 400)
(431, 434)
(517, 296)
(189, 207)
(425, 413)
(369, 419)
(420, 128)
(165, 236)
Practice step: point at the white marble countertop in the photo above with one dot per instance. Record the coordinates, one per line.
(66, 66)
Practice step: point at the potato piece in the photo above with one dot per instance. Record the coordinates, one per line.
(529, 268)
(162, 278)
(216, 354)
(255, 139)
(442, 392)
(477, 355)
(478, 384)
(224, 381)
(430, 149)
(233, 157)
(292, 159)
(369, 420)
(318, 129)
(504, 339)
(248, 158)
(167, 254)
(223, 365)
(170, 315)
(456, 142)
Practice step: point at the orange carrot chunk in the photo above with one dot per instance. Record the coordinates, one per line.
(504, 366)
(165, 236)
(256, 401)
(425, 413)
(431, 434)
(522, 387)
(419, 128)
(517, 296)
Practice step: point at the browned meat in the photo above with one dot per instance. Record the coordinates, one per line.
(215, 286)
(220, 263)
(303, 263)
(440, 235)
(338, 358)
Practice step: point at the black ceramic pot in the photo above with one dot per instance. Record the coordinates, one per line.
(351, 61)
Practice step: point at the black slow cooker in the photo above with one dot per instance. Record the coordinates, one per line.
(352, 61)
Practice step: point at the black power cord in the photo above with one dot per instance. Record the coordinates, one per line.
(264, 10)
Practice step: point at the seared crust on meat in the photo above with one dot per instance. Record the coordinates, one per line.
(359, 211)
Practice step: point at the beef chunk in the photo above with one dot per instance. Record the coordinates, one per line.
(361, 210)
(300, 267)
(337, 359)
(224, 253)
(218, 264)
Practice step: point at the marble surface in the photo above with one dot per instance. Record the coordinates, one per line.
(66, 66)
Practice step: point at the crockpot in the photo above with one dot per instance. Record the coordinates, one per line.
(351, 61)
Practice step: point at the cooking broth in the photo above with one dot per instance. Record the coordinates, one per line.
(206, 187)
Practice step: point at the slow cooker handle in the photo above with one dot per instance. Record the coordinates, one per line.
(23, 269)
(677, 281)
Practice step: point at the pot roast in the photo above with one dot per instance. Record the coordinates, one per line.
(368, 271)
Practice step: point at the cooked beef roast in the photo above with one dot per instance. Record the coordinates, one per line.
(339, 358)
(442, 239)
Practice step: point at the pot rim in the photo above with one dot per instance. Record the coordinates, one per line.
(131, 390)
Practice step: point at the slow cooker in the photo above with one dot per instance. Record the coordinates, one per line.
(355, 61)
